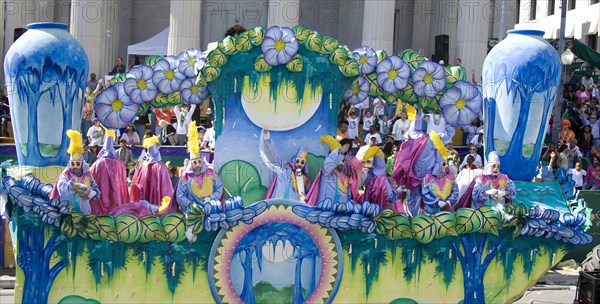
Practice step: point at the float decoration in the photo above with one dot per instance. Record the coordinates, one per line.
(248, 249)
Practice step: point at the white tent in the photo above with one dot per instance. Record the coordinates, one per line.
(156, 45)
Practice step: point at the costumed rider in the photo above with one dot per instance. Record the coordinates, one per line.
(492, 187)
(198, 184)
(378, 188)
(418, 156)
(439, 189)
(111, 177)
(331, 182)
(76, 184)
(291, 179)
(151, 181)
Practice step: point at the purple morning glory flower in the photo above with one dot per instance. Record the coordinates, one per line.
(279, 45)
(167, 76)
(461, 104)
(139, 85)
(114, 108)
(428, 79)
(367, 59)
(392, 74)
(192, 93)
(358, 92)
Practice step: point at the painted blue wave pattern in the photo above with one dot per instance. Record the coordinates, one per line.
(340, 216)
(549, 223)
(234, 212)
(32, 195)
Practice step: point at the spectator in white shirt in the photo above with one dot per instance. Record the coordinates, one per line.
(183, 112)
(435, 122)
(587, 81)
(477, 158)
(577, 175)
(209, 137)
(401, 127)
(478, 139)
(373, 133)
(385, 126)
(95, 136)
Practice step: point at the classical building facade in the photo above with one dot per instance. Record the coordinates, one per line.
(447, 28)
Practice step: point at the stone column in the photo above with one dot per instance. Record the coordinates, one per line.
(445, 22)
(378, 25)
(283, 13)
(18, 14)
(472, 34)
(45, 10)
(184, 25)
(110, 33)
(2, 83)
(86, 27)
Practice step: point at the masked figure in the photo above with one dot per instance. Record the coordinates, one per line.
(76, 184)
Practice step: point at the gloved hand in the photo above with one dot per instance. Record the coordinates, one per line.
(501, 193)
(189, 235)
(441, 204)
(206, 200)
(491, 192)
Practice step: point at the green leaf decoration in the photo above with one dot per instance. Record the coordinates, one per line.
(459, 72)
(256, 35)
(350, 68)
(174, 226)
(339, 56)
(408, 95)
(412, 58)
(174, 98)
(152, 229)
(79, 223)
(151, 60)
(160, 101)
(468, 220)
(374, 88)
(314, 42)
(296, 64)
(128, 228)
(101, 227)
(423, 228)
(491, 220)
(143, 108)
(198, 227)
(392, 226)
(227, 46)
(401, 228)
(242, 178)
(210, 73)
(67, 226)
(261, 65)
(195, 218)
(217, 58)
(381, 54)
(118, 78)
(509, 209)
(445, 223)
(450, 78)
(201, 81)
(242, 42)
(301, 33)
(429, 104)
(329, 44)
(520, 210)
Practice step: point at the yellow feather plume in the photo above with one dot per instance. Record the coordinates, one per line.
(76, 144)
(164, 204)
(151, 141)
(330, 140)
(111, 133)
(438, 144)
(372, 152)
(411, 112)
(193, 142)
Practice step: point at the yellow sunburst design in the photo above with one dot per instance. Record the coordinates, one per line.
(276, 213)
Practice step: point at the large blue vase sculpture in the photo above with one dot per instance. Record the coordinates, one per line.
(45, 71)
(521, 76)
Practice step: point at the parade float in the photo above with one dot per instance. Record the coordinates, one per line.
(282, 86)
